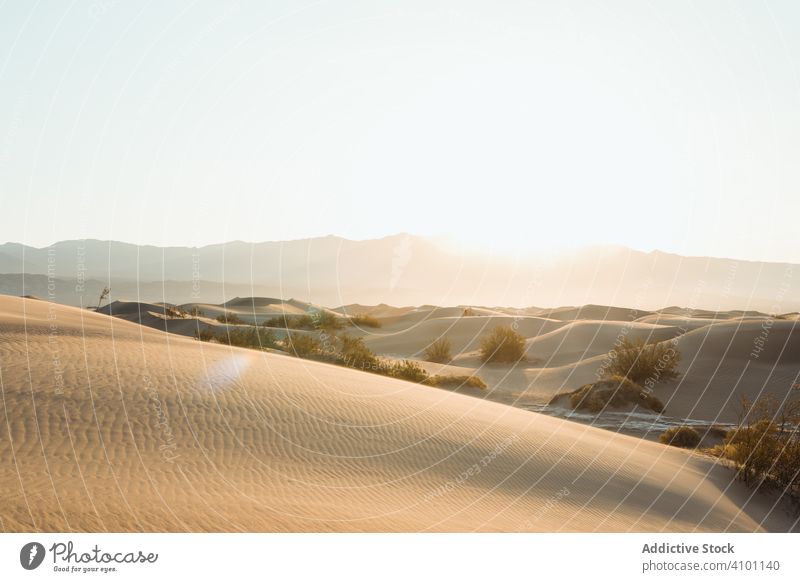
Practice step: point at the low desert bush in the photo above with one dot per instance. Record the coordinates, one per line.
(251, 337)
(407, 370)
(352, 352)
(195, 312)
(765, 445)
(642, 362)
(439, 351)
(753, 448)
(504, 345)
(615, 392)
(290, 322)
(326, 321)
(174, 312)
(680, 436)
(230, 318)
(365, 321)
(204, 335)
(302, 345)
(441, 381)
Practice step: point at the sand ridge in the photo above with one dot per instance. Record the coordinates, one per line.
(111, 426)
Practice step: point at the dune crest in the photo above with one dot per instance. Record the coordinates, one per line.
(111, 426)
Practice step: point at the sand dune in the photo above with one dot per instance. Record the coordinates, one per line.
(731, 359)
(410, 337)
(113, 426)
(725, 355)
(254, 309)
(596, 312)
(580, 340)
(381, 310)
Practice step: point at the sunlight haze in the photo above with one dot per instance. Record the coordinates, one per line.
(524, 128)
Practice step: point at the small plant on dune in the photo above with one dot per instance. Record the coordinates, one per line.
(439, 351)
(468, 312)
(352, 352)
(174, 312)
(103, 296)
(302, 345)
(326, 321)
(407, 370)
(614, 392)
(250, 337)
(290, 322)
(456, 382)
(365, 321)
(195, 311)
(204, 335)
(680, 436)
(644, 363)
(765, 445)
(503, 345)
(230, 319)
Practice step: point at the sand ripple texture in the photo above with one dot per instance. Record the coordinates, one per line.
(111, 426)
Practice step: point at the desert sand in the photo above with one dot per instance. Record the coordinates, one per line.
(114, 426)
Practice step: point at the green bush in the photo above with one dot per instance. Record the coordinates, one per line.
(644, 363)
(439, 351)
(680, 436)
(503, 345)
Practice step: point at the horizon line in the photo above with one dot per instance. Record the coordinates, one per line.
(388, 236)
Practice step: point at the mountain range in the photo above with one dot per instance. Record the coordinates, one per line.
(401, 269)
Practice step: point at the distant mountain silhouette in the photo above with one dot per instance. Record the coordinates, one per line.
(399, 270)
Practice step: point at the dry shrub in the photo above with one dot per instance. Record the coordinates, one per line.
(614, 392)
(352, 352)
(326, 321)
(204, 335)
(680, 436)
(365, 321)
(290, 322)
(230, 318)
(456, 381)
(503, 345)
(644, 363)
(765, 445)
(407, 370)
(302, 345)
(439, 351)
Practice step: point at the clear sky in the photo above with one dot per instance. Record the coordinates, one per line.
(664, 125)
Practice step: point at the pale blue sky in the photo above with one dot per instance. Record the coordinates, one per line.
(535, 125)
